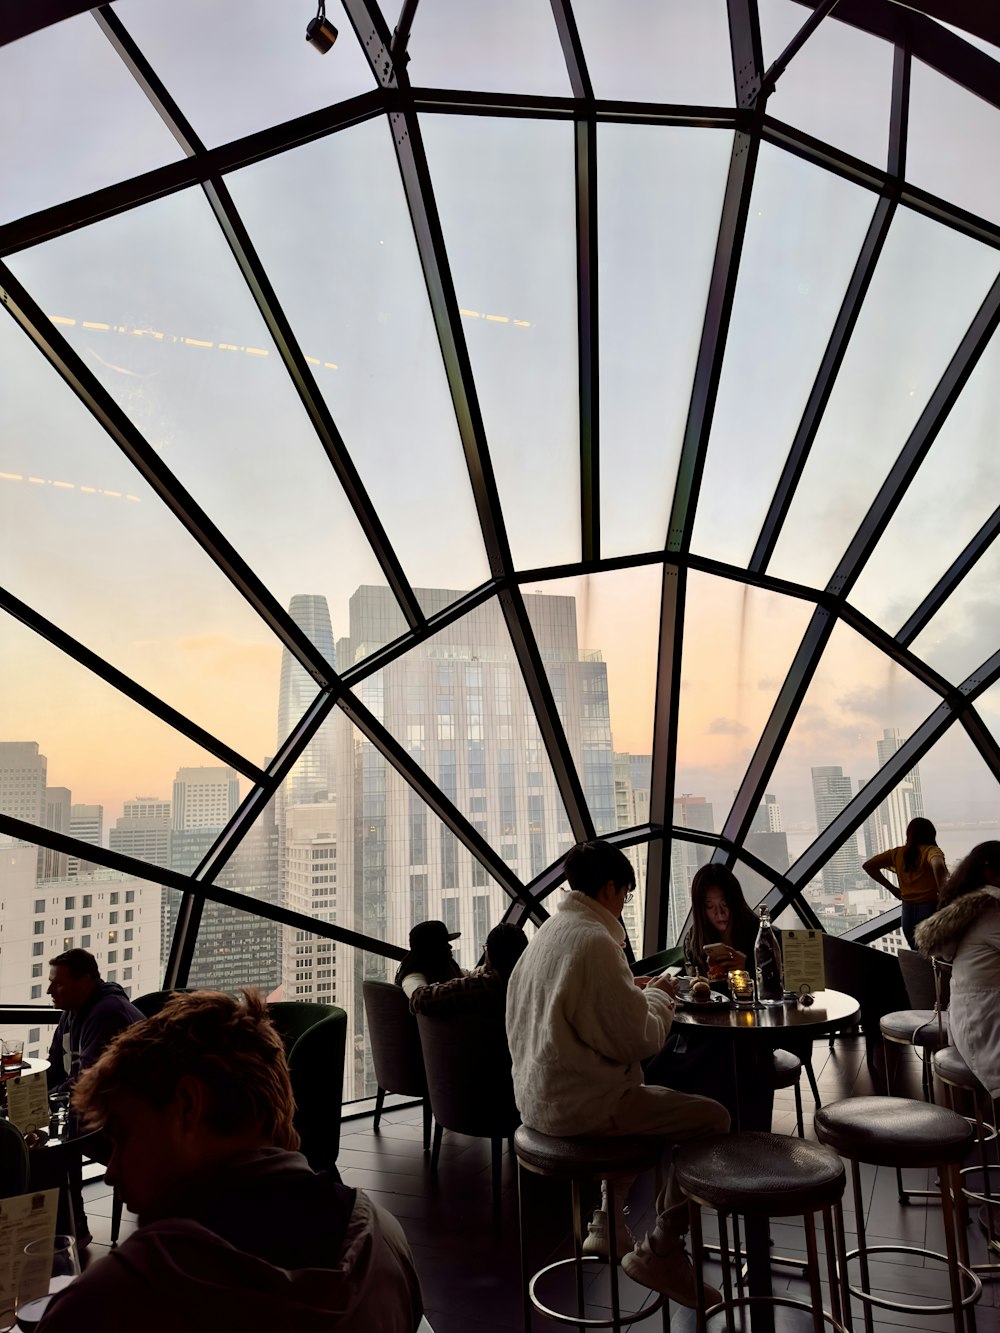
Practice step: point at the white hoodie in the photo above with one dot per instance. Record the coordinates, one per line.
(577, 1024)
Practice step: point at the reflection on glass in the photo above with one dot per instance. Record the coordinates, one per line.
(113, 568)
(803, 235)
(682, 54)
(927, 287)
(65, 904)
(855, 714)
(738, 645)
(459, 704)
(953, 143)
(236, 66)
(154, 304)
(949, 499)
(505, 192)
(599, 636)
(81, 120)
(686, 858)
(512, 47)
(962, 636)
(655, 262)
(810, 94)
(364, 314)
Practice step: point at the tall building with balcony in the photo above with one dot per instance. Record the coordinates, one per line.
(885, 827)
(832, 792)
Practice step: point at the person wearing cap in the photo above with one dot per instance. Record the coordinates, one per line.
(430, 958)
(484, 989)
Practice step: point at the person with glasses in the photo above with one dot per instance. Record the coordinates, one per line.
(579, 1025)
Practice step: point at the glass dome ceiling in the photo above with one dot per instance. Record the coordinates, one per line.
(558, 419)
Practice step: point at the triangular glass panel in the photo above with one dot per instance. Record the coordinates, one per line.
(505, 191)
(804, 231)
(739, 643)
(928, 285)
(364, 307)
(269, 74)
(963, 634)
(153, 302)
(598, 636)
(654, 266)
(74, 119)
(952, 134)
(513, 48)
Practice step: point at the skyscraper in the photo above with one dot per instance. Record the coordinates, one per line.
(86, 824)
(22, 781)
(58, 801)
(832, 791)
(885, 827)
(313, 772)
(693, 812)
(142, 830)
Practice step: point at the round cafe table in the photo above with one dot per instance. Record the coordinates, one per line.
(751, 1034)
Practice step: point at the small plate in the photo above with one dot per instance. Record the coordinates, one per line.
(713, 1002)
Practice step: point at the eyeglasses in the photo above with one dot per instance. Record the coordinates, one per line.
(629, 895)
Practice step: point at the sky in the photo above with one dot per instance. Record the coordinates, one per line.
(154, 304)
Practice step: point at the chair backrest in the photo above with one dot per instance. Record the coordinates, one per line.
(918, 977)
(871, 976)
(468, 1073)
(13, 1161)
(394, 1040)
(315, 1041)
(151, 1004)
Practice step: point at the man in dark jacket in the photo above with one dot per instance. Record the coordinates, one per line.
(235, 1229)
(93, 1012)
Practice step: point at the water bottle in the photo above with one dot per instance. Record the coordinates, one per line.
(767, 962)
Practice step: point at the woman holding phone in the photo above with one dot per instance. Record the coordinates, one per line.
(723, 926)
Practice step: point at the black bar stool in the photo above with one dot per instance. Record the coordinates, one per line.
(898, 1132)
(765, 1176)
(579, 1161)
(951, 1070)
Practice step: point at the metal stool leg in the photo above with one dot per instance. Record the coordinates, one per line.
(581, 1307)
(859, 1208)
(815, 1290)
(525, 1275)
(698, 1257)
(616, 1310)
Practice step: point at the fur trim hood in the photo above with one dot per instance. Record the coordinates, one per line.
(941, 933)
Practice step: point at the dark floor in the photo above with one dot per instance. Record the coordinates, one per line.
(470, 1273)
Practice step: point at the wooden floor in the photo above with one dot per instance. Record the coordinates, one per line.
(470, 1272)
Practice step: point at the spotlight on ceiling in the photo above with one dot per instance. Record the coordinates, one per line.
(320, 32)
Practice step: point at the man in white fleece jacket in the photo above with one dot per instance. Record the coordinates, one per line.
(579, 1024)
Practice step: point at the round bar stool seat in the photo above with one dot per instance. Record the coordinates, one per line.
(580, 1160)
(915, 1027)
(762, 1176)
(898, 1132)
(951, 1070)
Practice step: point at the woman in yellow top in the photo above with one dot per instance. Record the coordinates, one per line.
(920, 871)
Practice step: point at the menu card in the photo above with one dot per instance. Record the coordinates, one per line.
(24, 1218)
(28, 1102)
(802, 951)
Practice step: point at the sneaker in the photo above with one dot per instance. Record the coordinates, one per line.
(671, 1273)
(597, 1241)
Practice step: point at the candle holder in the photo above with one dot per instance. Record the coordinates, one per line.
(741, 987)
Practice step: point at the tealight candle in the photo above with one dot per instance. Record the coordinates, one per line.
(741, 987)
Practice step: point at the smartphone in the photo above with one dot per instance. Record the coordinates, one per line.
(717, 949)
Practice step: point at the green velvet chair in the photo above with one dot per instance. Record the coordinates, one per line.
(315, 1039)
(658, 962)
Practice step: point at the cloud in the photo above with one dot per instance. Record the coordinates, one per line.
(769, 683)
(726, 726)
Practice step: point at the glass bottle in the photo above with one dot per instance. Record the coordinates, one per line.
(767, 962)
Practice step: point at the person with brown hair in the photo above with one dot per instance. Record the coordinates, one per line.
(235, 1229)
(723, 925)
(920, 870)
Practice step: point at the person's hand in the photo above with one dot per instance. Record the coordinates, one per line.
(642, 982)
(666, 984)
(725, 957)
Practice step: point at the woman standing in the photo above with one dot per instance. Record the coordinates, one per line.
(920, 870)
(967, 930)
(723, 926)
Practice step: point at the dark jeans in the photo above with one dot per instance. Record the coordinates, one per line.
(913, 914)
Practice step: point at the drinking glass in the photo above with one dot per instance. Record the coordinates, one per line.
(47, 1267)
(12, 1054)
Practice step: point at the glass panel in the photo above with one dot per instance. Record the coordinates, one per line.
(856, 697)
(812, 93)
(803, 235)
(36, 893)
(350, 280)
(947, 502)
(511, 48)
(459, 704)
(153, 302)
(738, 645)
(506, 194)
(115, 569)
(928, 285)
(953, 143)
(960, 638)
(657, 50)
(81, 120)
(686, 858)
(267, 72)
(655, 262)
(948, 786)
(101, 745)
(599, 638)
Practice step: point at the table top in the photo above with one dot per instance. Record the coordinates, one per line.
(35, 1066)
(831, 1009)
